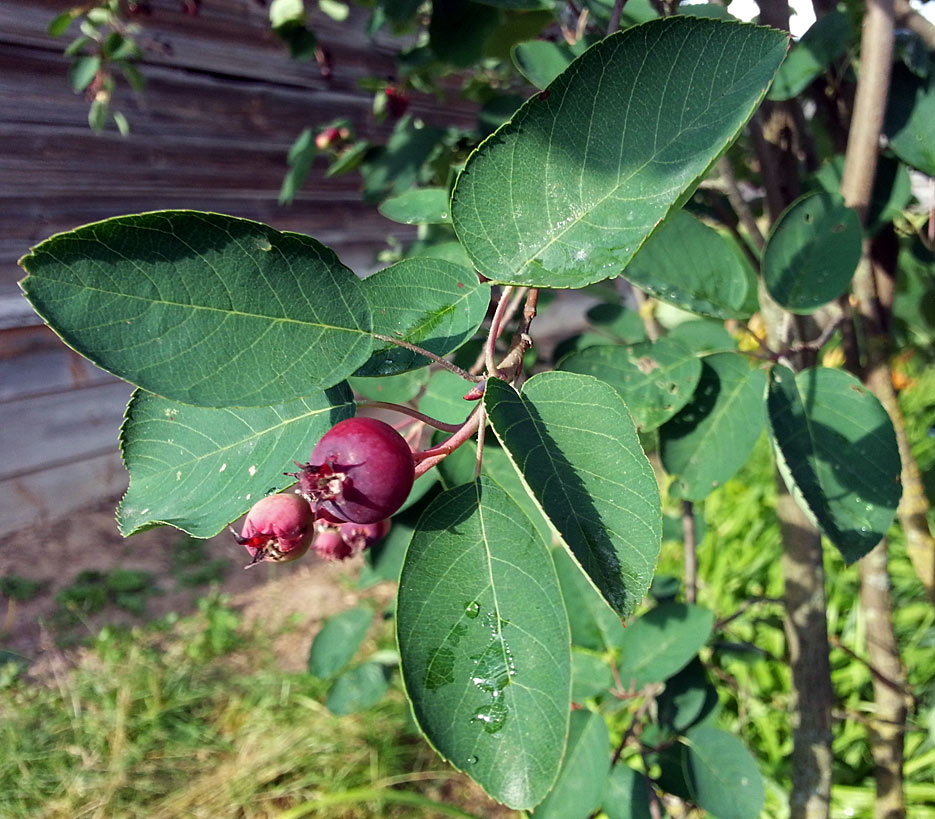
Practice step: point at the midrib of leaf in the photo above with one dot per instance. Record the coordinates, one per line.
(496, 605)
(221, 449)
(205, 308)
(619, 184)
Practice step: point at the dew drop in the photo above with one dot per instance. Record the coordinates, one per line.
(471, 760)
(472, 609)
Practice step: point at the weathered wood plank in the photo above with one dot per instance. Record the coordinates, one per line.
(40, 432)
(47, 495)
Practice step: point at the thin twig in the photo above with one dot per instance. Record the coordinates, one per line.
(412, 413)
(511, 309)
(615, 14)
(496, 327)
(739, 204)
(426, 459)
(429, 355)
(651, 691)
(883, 678)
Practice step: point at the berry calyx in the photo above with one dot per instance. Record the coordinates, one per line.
(278, 528)
(360, 471)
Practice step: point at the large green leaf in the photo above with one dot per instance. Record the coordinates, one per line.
(484, 642)
(541, 61)
(338, 641)
(812, 252)
(910, 117)
(692, 266)
(418, 206)
(566, 192)
(826, 40)
(662, 642)
(459, 468)
(714, 434)
(444, 397)
(593, 623)
(836, 449)
(572, 440)
(715, 770)
(627, 794)
(358, 689)
(580, 784)
(428, 302)
(203, 308)
(199, 468)
(656, 379)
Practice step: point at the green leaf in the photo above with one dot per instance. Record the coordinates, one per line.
(703, 336)
(812, 252)
(284, 12)
(384, 560)
(426, 206)
(655, 378)
(541, 61)
(484, 643)
(338, 641)
(836, 450)
(714, 434)
(203, 308)
(827, 39)
(687, 699)
(395, 167)
(662, 642)
(60, 23)
(910, 117)
(428, 302)
(566, 192)
(97, 114)
(580, 784)
(590, 676)
(358, 689)
(121, 122)
(397, 389)
(593, 623)
(627, 794)
(198, 469)
(618, 321)
(443, 398)
(690, 265)
(82, 72)
(572, 440)
(720, 775)
(459, 30)
(458, 468)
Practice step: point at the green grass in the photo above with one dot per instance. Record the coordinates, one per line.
(739, 566)
(192, 717)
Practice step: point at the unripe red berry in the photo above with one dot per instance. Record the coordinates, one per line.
(278, 528)
(361, 535)
(360, 471)
(329, 545)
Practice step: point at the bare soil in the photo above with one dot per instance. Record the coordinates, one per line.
(56, 554)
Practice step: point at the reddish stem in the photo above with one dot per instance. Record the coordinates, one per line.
(412, 413)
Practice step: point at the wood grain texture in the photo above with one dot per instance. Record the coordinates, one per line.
(222, 104)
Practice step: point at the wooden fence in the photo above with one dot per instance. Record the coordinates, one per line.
(222, 105)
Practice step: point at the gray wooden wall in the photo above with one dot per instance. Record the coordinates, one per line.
(222, 105)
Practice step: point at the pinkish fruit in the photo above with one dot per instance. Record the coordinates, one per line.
(360, 471)
(361, 535)
(329, 545)
(278, 528)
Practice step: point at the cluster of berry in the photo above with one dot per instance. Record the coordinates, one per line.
(360, 473)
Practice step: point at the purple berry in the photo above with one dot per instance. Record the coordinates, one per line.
(360, 471)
